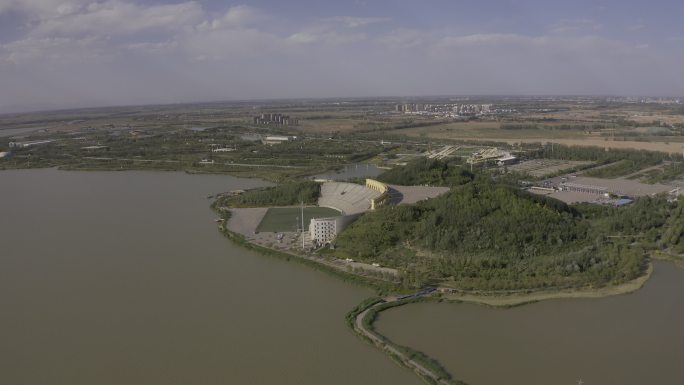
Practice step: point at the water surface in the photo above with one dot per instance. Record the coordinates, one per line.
(633, 339)
(122, 278)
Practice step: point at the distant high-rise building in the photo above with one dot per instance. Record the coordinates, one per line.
(275, 119)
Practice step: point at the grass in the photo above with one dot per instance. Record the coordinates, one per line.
(279, 219)
(540, 295)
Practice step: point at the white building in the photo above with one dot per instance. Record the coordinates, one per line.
(324, 230)
(506, 160)
(28, 144)
(276, 139)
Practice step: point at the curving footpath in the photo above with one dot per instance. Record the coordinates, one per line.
(430, 376)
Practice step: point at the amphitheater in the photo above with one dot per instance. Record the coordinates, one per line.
(352, 198)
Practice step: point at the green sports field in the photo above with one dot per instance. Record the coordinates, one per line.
(279, 219)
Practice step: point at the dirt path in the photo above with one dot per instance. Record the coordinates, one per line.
(386, 346)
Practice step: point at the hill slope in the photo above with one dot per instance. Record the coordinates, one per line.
(483, 235)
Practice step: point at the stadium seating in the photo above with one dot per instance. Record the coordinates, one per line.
(349, 198)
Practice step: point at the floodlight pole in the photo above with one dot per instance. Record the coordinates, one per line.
(302, 225)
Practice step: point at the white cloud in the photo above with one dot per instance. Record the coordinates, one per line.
(154, 47)
(405, 38)
(576, 26)
(43, 8)
(236, 44)
(113, 18)
(143, 53)
(311, 36)
(236, 16)
(489, 40)
(335, 30)
(52, 50)
(548, 44)
(356, 22)
(304, 37)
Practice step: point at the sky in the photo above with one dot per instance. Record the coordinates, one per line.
(86, 53)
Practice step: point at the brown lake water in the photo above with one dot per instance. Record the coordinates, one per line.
(122, 278)
(634, 339)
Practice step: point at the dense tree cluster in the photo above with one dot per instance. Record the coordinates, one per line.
(672, 239)
(431, 172)
(491, 236)
(285, 194)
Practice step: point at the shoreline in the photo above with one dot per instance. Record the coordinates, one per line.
(495, 299)
(511, 300)
(378, 285)
(361, 319)
(663, 256)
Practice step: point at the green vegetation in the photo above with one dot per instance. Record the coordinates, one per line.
(279, 219)
(285, 194)
(621, 168)
(664, 174)
(672, 240)
(350, 318)
(431, 172)
(575, 127)
(242, 153)
(487, 235)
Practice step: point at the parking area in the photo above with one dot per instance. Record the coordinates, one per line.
(574, 189)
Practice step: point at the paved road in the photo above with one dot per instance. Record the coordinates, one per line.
(131, 159)
(261, 165)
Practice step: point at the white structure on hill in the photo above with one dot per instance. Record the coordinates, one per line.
(324, 230)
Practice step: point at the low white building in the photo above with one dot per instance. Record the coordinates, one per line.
(324, 230)
(506, 160)
(28, 144)
(276, 139)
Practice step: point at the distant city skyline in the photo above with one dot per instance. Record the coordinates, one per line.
(82, 53)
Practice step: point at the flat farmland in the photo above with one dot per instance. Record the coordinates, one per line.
(331, 125)
(486, 131)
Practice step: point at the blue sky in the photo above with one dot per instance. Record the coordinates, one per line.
(73, 53)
